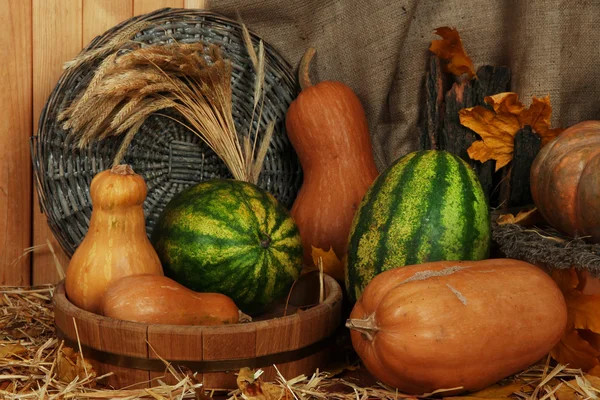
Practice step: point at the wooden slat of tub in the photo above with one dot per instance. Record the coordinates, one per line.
(57, 31)
(275, 336)
(225, 343)
(110, 335)
(15, 129)
(174, 343)
(101, 15)
(146, 6)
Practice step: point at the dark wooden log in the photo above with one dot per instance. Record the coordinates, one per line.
(456, 138)
(527, 145)
(435, 88)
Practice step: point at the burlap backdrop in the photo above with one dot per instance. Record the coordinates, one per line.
(379, 48)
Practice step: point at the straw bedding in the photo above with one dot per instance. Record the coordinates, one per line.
(35, 365)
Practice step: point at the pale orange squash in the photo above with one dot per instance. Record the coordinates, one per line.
(115, 244)
(328, 128)
(456, 324)
(155, 299)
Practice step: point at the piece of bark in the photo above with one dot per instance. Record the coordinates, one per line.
(527, 146)
(435, 88)
(456, 138)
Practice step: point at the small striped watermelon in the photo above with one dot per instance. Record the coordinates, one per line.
(428, 206)
(230, 237)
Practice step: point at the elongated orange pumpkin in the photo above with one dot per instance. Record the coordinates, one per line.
(328, 128)
(155, 299)
(456, 324)
(115, 244)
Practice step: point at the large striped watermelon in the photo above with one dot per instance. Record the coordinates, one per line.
(230, 237)
(427, 206)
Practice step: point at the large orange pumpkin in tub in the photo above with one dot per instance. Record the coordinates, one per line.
(456, 324)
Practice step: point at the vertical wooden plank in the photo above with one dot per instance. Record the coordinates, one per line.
(225, 343)
(198, 4)
(101, 15)
(146, 6)
(174, 343)
(56, 39)
(15, 129)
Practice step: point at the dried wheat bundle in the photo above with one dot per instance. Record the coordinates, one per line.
(193, 79)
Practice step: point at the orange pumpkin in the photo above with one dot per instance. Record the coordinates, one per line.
(328, 128)
(565, 181)
(456, 324)
(115, 244)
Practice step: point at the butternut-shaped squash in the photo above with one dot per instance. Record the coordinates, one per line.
(456, 324)
(115, 244)
(157, 299)
(328, 128)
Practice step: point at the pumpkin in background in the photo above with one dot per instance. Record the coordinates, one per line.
(155, 299)
(456, 324)
(565, 181)
(427, 206)
(328, 128)
(230, 237)
(116, 244)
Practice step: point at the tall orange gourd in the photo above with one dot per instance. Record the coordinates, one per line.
(116, 244)
(328, 128)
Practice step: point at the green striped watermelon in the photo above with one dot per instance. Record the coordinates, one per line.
(428, 206)
(230, 237)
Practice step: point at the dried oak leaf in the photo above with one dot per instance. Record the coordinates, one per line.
(11, 349)
(450, 48)
(580, 345)
(70, 365)
(332, 265)
(253, 388)
(523, 218)
(498, 127)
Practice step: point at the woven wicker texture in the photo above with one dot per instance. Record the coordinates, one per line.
(547, 247)
(165, 153)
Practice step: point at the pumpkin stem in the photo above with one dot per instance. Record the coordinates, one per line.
(122, 169)
(303, 69)
(366, 326)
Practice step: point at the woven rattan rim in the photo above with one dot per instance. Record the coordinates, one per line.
(168, 156)
(546, 246)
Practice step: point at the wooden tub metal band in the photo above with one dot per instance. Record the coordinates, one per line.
(121, 360)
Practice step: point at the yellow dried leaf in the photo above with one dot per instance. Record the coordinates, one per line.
(332, 265)
(70, 365)
(497, 131)
(450, 48)
(499, 391)
(580, 345)
(12, 349)
(566, 392)
(499, 127)
(595, 371)
(255, 389)
(505, 103)
(537, 116)
(523, 217)
(575, 351)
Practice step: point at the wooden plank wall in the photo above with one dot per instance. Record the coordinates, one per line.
(40, 35)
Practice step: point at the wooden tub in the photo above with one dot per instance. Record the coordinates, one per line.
(297, 343)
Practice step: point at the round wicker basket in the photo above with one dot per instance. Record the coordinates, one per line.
(166, 154)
